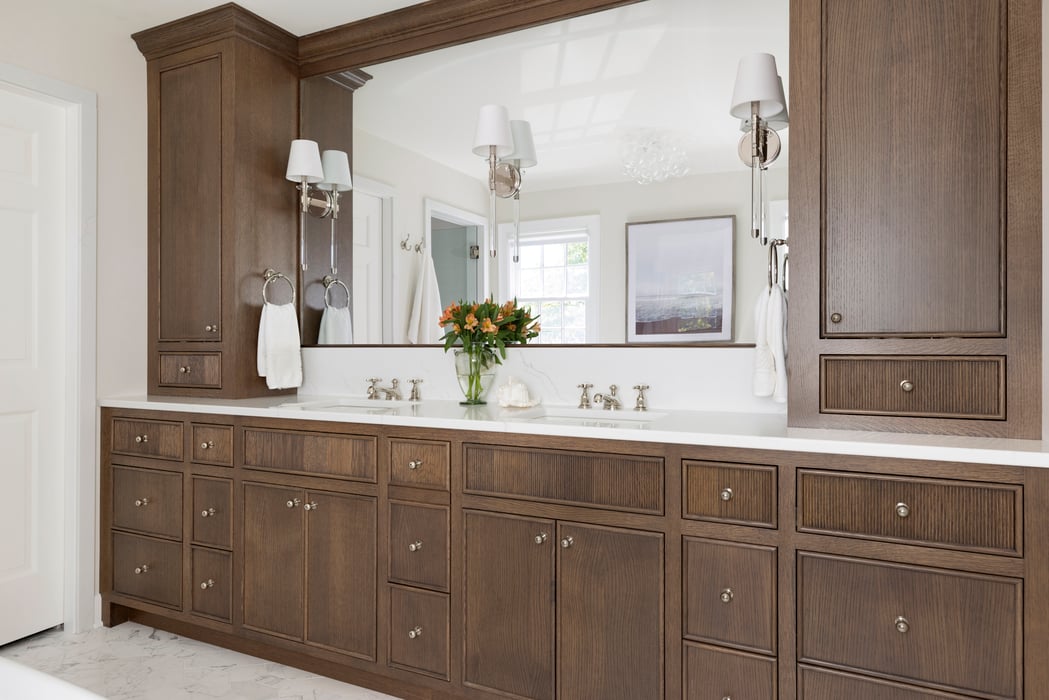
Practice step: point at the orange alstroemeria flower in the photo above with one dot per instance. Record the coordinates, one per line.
(471, 322)
(488, 326)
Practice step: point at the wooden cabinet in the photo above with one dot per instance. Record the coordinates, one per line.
(222, 100)
(915, 216)
(593, 593)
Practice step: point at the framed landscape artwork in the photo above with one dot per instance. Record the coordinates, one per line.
(679, 280)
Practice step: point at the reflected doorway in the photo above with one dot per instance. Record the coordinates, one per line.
(456, 239)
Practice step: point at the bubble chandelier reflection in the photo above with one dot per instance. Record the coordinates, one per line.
(652, 155)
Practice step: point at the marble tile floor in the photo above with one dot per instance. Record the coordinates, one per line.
(132, 662)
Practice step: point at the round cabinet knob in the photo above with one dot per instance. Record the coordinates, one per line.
(902, 625)
(902, 509)
(907, 385)
(142, 569)
(726, 494)
(141, 438)
(310, 506)
(207, 445)
(209, 513)
(835, 318)
(726, 595)
(415, 632)
(567, 542)
(415, 546)
(541, 538)
(141, 502)
(205, 585)
(293, 503)
(415, 464)
(213, 328)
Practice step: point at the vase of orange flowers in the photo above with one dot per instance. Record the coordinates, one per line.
(480, 332)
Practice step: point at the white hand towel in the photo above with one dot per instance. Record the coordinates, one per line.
(777, 339)
(279, 357)
(423, 327)
(336, 326)
(764, 364)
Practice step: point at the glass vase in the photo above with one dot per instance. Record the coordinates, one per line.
(474, 373)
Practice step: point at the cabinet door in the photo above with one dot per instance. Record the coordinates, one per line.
(609, 613)
(274, 559)
(340, 563)
(509, 639)
(189, 173)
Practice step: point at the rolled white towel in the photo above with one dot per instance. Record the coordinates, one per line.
(777, 339)
(764, 363)
(336, 326)
(279, 357)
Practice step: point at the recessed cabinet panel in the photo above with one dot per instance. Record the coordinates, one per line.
(213, 512)
(821, 684)
(212, 583)
(421, 463)
(148, 438)
(193, 369)
(189, 127)
(148, 500)
(717, 674)
(913, 106)
(419, 631)
(148, 568)
(274, 559)
(419, 545)
(212, 444)
(323, 454)
(729, 493)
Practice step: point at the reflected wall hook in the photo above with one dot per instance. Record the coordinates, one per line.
(418, 247)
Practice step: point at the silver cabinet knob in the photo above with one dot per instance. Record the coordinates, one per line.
(902, 625)
(415, 546)
(835, 318)
(185, 369)
(727, 493)
(415, 464)
(293, 503)
(312, 505)
(142, 438)
(907, 385)
(726, 595)
(141, 502)
(213, 328)
(902, 509)
(210, 444)
(142, 569)
(541, 538)
(205, 585)
(415, 632)
(209, 513)
(567, 542)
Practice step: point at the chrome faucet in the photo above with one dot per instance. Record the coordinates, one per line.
(610, 401)
(584, 399)
(392, 392)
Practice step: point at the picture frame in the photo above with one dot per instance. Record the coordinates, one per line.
(679, 280)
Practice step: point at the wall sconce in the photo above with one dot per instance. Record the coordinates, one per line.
(493, 141)
(758, 96)
(320, 182)
(522, 157)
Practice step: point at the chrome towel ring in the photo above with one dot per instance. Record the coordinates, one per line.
(330, 282)
(270, 274)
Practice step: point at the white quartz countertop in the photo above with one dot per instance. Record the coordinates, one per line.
(763, 431)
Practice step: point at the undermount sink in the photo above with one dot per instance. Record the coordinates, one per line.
(365, 406)
(593, 417)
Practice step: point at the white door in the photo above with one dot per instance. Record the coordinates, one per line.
(367, 268)
(32, 368)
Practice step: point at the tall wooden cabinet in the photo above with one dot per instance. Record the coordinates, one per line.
(223, 100)
(915, 216)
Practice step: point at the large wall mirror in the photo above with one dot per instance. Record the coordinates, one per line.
(637, 86)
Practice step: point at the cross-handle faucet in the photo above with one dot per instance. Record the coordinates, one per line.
(610, 401)
(642, 403)
(415, 395)
(584, 399)
(373, 389)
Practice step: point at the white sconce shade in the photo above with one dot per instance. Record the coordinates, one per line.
(304, 162)
(336, 172)
(524, 144)
(493, 129)
(757, 81)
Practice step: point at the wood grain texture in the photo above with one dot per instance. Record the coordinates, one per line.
(147, 501)
(412, 609)
(847, 610)
(212, 511)
(958, 514)
(213, 569)
(274, 557)
(342, 456)
(426, 528)
(223, 22)
(148, 438)
(211, 444)
(191, 369)
(819, 684)
(621, 482)
(159, 565)
(715, 674)
(752, 497)
(431, 459)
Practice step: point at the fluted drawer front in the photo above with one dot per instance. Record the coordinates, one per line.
(730, 493)
(419, 545)
(958, 631)
(212, 444)
(716, 674)
(148, 568)
(422, 463)
(212, 583)
(821, 684)
(938, 512)
(929, 387)
(147, 500)
(213, 511)
(199, 369)
(148, 438)
(342, 456)
(419, 631)
(614, 481)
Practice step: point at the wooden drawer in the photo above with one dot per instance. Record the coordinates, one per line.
(324, 454)
(421, 463)
(148, 568)
(820, 684)
(199, 369)
(212, 444)
(212, 584)
(614, 481)
(955, 630)
(419, 631)
(930, 387)
(729, 493)
(147, 438)
(212, 512)
(148, 501)
(730, 594)
(419, 545)
(717, 674)
(938, 512)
